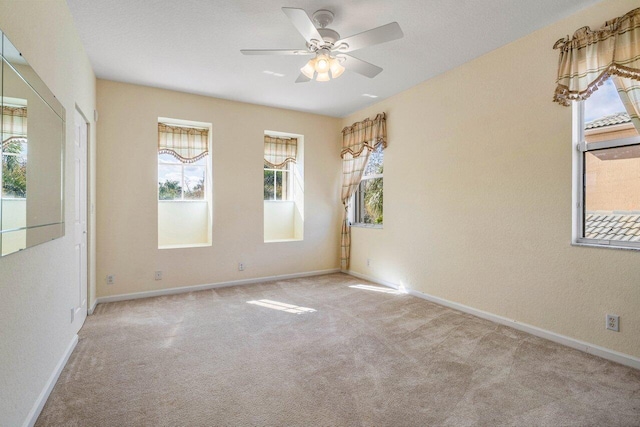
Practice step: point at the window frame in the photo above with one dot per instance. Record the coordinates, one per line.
(357, 200)
(289, 170)
(580, 149)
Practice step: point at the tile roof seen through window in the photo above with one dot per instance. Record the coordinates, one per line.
(623, 227)
(610, 120)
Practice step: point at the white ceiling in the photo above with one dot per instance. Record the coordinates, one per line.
(194, 45)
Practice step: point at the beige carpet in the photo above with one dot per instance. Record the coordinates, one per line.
(362, 357)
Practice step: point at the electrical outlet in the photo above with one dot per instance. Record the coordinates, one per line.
(111, 279)
(613, 322)
(241, 266)
(368, 262)
(158, 275)
(73, 314)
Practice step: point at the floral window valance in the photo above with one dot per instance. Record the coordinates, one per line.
(279, 152)
(187, 144)
(367, 134)
(14, 124)
(590, 57)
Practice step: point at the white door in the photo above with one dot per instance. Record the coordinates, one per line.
(80, 216)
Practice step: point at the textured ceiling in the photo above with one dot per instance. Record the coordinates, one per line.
(194, 45)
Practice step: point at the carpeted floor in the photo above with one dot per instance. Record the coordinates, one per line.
(326, 351)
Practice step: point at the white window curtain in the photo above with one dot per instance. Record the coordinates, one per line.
(358, 141)
(186, 144)
(279, 152)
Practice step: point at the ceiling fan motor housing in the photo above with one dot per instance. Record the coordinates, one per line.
(322, 18)
(329, 35)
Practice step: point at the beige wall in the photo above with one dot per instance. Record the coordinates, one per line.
(37, 286)
(478, 197)
(127, 188)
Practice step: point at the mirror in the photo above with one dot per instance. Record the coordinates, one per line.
(32, 150)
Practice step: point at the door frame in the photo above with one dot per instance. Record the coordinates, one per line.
(88, 173)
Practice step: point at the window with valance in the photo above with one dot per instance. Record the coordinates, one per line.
(362, 181)
(185, 214)
(280, 153)
(599, 75)
(182, 162)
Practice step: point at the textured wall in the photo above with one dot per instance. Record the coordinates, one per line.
(478, 196)
(37, 286)
(127, 188)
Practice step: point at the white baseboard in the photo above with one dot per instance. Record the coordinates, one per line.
(184, 289)
(44, 395)
(92, 308)
(596, 350)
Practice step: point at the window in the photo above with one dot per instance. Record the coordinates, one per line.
(14, 169)
(13, 151)
(181, 181)
(367, 200)
(608, 170)
(184, 183)
(283, 174)
(276, 183)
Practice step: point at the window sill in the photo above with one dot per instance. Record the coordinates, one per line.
(595, 244)
(183, 201)
(362, 225)
(192, 245)
(283, 240)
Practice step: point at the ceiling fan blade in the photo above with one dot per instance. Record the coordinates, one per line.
(275, 52)
(359, 66)
(377, 35)
(303, 23)
(302, 78)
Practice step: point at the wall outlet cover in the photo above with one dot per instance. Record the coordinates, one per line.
(613, 322)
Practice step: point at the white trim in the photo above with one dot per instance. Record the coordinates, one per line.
(193, 288)
(612, 143)
(44, 394)
(596, 350)
(577, 140)
(365, 225)
(92, 308)
(185, 246)
(611, 244)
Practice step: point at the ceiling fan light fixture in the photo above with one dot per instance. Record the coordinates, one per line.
(309, 69)
(336, 68)
(323, 68)
(323, 77)
(323, 63)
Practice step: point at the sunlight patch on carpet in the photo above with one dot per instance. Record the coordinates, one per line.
(378, 289)
(281, 306)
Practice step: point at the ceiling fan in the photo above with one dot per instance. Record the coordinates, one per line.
(328, 49)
